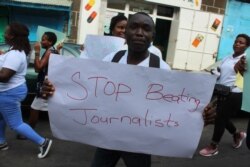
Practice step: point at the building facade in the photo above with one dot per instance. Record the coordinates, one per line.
(236, 21)
(187, 31)
(54, 14)
(192, 34)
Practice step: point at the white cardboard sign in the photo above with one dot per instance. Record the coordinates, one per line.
(99, 46)
(127, 107)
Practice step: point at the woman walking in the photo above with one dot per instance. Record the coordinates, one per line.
(227, 106)
(13, 88)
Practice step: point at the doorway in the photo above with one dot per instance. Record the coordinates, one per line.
(162, 28)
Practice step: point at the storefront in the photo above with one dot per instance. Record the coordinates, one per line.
(53, 14)
(161, 14)
(178, 24)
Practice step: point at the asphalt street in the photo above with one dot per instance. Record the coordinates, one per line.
(22, 153)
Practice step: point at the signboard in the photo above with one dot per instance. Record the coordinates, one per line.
(190, 4)
(99, 46)
(128, 107)
(246, 86)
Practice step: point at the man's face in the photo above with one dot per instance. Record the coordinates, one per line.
(139, 32)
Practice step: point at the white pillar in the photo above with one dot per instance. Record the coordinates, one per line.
(89, 17)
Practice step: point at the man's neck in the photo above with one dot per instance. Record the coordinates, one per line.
(136, 57)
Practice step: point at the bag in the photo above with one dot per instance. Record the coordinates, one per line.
(221, 90)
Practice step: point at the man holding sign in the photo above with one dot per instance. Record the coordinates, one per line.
(139, 34)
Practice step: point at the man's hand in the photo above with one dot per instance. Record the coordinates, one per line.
(209, 114)
(241, 65)
(1, 52)
(48, 89)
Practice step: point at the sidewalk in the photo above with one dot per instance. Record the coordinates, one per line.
(69, 154)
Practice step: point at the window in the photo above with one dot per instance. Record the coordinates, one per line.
(115, 4)
(141, 7)
(165, 11)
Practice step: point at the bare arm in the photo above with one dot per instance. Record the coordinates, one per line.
(1, 52)
(43, 62)
(6, 74)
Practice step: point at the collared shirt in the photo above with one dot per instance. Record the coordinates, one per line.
(227, 72)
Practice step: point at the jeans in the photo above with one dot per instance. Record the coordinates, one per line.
(10, 114)
(225, 109)
(109, 158)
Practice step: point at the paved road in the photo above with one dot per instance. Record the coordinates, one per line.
(69, 154)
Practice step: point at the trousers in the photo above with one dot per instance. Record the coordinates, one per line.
(109, 158)
(225, 109)
(10, 114)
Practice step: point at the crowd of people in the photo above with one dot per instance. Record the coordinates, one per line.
(139, 32)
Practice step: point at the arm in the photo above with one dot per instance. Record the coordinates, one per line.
(40, 63)
(1, 52)
(6, 74)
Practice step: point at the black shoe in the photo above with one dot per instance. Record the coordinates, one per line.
(20, 137)
(4, 146)
(44, 149)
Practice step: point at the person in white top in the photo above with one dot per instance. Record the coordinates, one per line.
(47, 42)
(41, 64)
(13, 88)
(227, 106)
(139, 35)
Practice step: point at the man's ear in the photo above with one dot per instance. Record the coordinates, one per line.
(154, 33)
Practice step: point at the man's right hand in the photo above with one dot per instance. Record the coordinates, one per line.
(209, 113)
(1, 52)
(48, 89)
